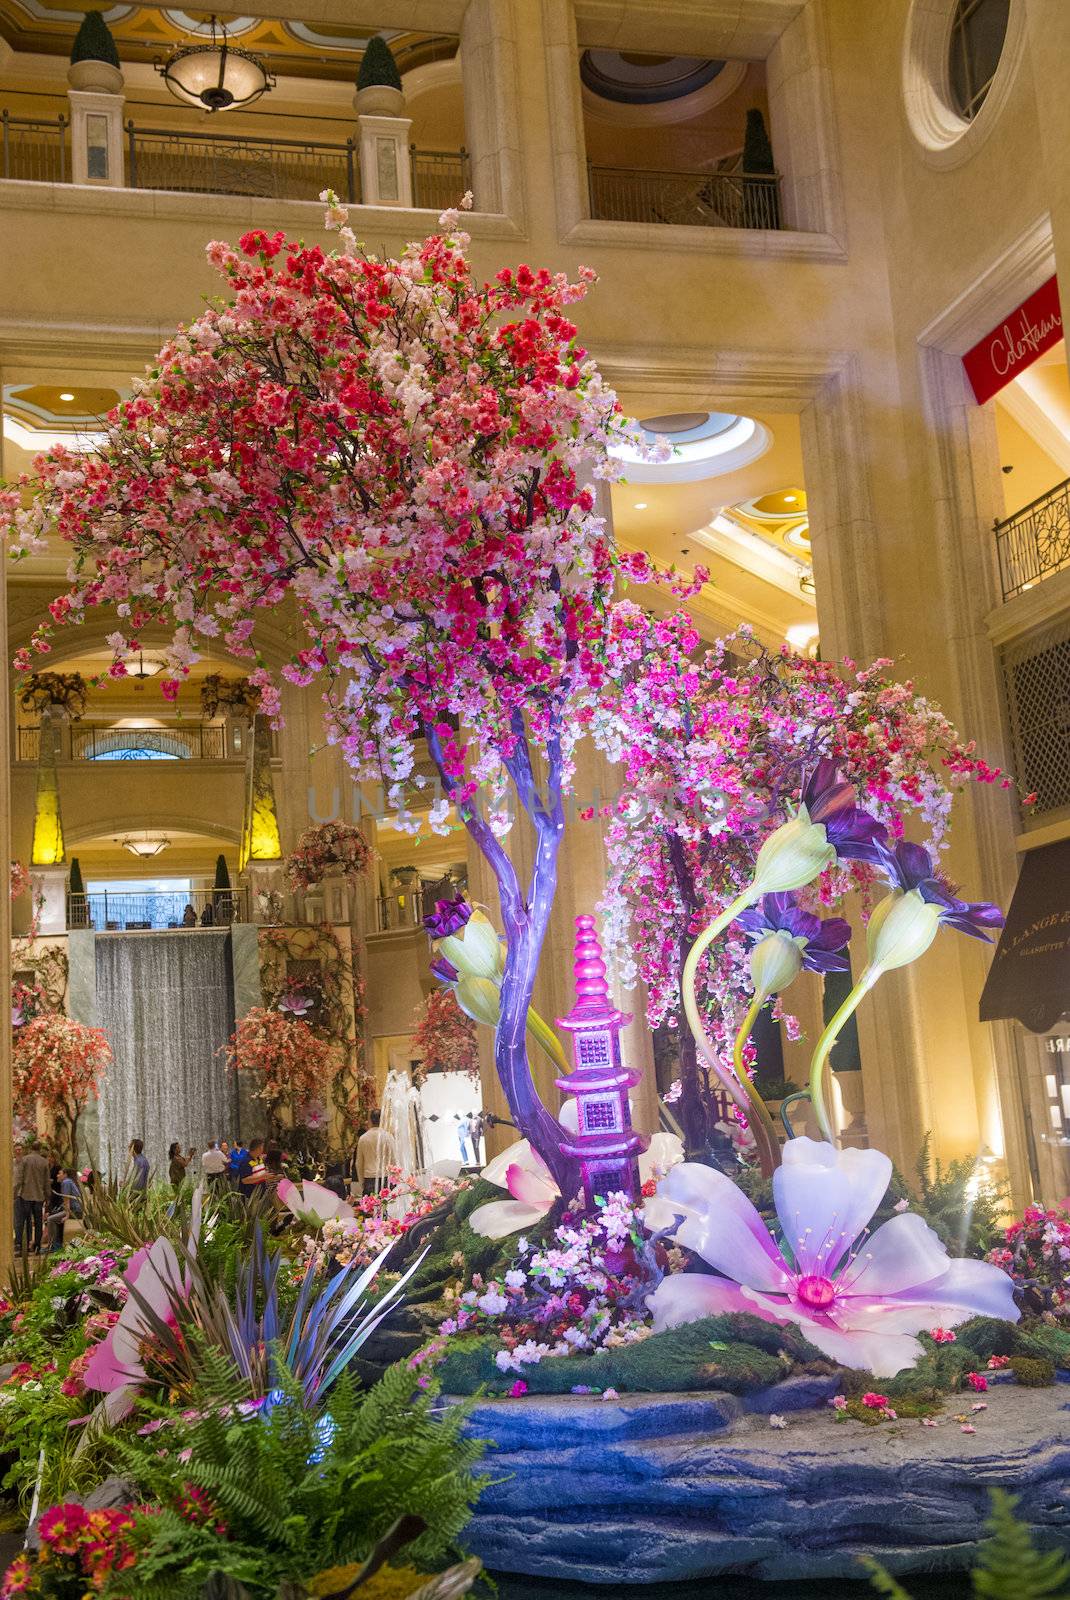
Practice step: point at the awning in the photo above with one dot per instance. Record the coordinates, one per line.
(1029, 978)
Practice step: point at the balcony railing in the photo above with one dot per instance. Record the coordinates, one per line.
(1035, 542)
(141, 911)
(697, 199)
(440, 178)
(91, 741)
(34, 148)
(228, 163)
(404, 909)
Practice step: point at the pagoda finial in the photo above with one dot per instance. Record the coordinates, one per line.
(589, 967)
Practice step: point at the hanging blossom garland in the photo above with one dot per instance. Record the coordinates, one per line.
(60, 691)
(714, 749)
(291, 1066)
(57, 1064)
(20, 880)
(334, 850)
(445, 1037)
(403, 450)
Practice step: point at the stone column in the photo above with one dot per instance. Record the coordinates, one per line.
(491, 93)
(7, 1224)
(385, 162)
(96, 99)
(49, 890)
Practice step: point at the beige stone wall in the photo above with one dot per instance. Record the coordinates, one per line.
(853, 320)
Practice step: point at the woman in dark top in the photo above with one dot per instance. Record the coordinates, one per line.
(177, 1164)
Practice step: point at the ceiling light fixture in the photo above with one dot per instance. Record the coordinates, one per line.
(66, 395)
(142, 666)
(640, 505)
(147, 846)
(215, 76)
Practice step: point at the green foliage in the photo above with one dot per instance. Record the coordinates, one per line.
(94, 42)
(76, 885)
(299, 1489)
(377, 66)
(757, 150)
(222, 872)
(1010, 1567)
(1033, 1373)
(961, 1203)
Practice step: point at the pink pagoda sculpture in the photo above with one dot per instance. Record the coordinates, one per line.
(605, 1143)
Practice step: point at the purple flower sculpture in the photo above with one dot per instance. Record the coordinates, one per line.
(832, 801)
(860, 1298)
(444, 970)
(821, 943)
(449, 916)
(910, 866)
(295, 1004)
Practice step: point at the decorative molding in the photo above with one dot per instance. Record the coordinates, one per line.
(727, 380)
(663, 113)
(722, 28)
(945, 139)
(785, 244)
(1031, 416)
(1019, 269)
(235, 211)
(1039, 607)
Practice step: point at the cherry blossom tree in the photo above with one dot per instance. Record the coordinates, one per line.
(404, 454)
(57, 1065)
(290, 1065)
(715, 747)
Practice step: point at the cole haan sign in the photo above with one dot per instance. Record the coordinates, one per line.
(1001, 355)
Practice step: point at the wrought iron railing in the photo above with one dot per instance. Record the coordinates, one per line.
(229, 163)
(142, 910)
(440, 178)
(700, 199)
(1035, 542)
(34, 148)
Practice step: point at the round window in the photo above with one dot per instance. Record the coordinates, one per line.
(959, 63)
(978, 34)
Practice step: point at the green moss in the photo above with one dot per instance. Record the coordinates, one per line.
(1033, 1372)
(710, 1354)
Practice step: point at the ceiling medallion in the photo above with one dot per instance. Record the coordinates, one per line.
(215, 76)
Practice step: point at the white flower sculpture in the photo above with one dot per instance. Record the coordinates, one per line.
(860, 1298)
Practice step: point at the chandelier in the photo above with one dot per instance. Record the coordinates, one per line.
(147, 846)
(142, 666)
(215, 76)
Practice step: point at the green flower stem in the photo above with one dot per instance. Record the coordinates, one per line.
(545, 1036)
(761, 1123)
(732, 1088)
(826, 1042)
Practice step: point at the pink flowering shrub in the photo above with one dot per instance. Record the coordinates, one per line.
(444, 1036)
(57, 1064)
(1036, 1253)
(334, 849)
(714, 747)
(358, 1240)
(292, 1066)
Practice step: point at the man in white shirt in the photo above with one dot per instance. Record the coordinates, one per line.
(213, 1163)
(376, 1151)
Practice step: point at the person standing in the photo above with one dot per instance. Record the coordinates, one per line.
(376, 1152)
(177, 1164)
(32, 1184)
(139, 1167)
(214, 1165)
(463, 1130)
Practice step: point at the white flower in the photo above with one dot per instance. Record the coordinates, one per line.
(777, 1421)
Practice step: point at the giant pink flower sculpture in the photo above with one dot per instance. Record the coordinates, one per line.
(115, 1366)
(860, 1298)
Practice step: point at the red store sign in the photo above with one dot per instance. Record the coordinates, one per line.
(1001, 355)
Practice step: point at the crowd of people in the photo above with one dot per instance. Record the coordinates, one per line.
(50, 1197)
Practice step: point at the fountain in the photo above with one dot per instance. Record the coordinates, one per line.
(166, 1002)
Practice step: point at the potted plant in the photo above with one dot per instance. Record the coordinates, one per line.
(379, 92)
(222, 899)
(94, 57)
(77, 905)
(761, 201)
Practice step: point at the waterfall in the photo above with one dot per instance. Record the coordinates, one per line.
(166, 1002)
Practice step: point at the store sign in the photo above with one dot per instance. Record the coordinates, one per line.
(1029, 978)
(1001, 355)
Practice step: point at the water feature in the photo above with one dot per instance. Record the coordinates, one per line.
(166, 1002)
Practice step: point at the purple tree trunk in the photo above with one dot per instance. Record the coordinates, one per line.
(525, 919)
(696, 1110)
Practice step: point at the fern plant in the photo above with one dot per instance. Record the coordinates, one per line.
(270, 1497)
(1010, 1567)
(960, 1202)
